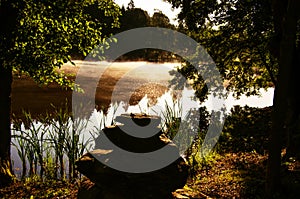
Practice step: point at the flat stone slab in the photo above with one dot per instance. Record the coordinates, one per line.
(139, 119)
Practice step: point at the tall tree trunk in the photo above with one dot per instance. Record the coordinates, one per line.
(8, 17)
(293, 119)
(281, 100)
(5, 134)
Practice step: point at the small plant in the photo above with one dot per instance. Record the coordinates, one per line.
(20, 145)
(75, 144)
(50, 166)
(171, 118)
(33, 143)
(57, 135)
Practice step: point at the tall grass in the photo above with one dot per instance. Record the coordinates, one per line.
(172, 118)
(187, 130)
(49, 146)
(57, 136)
(76, 144)
(20, 145)
(31, 143)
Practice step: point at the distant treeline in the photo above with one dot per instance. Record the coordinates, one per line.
(135, 18)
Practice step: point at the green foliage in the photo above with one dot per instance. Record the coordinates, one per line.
(159, 19)
(134, 18)
(238, 36)
(48, 32)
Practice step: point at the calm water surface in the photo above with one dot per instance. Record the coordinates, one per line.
(118, 80)
(125, 81)
(128, 82)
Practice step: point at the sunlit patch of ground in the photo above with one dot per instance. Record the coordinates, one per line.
(232, 175)
(36, 189)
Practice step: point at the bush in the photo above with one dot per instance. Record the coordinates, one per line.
(246, 129)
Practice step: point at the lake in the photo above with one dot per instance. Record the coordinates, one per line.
(126, 81)
(138, 85)
(153, 81)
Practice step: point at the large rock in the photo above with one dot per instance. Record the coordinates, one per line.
(130, 143)
(107, 182)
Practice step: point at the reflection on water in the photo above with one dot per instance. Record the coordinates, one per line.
(118, 80)
(129, 87)
(99, 119)
(125, 81)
